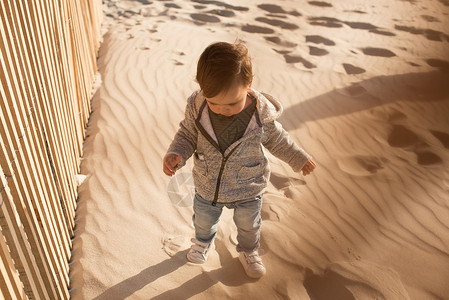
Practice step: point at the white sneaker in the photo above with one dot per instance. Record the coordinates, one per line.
(252, 263)
(199, 251)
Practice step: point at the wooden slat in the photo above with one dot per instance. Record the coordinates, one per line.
(10, 286)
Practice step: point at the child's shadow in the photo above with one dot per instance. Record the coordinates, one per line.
(127, 287)
(226, 275)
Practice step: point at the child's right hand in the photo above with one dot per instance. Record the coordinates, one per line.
(170, 163)
(308, 167)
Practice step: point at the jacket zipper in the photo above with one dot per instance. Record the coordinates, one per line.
(220, 174)
(225, 158)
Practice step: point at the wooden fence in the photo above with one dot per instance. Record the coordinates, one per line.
(48, 61)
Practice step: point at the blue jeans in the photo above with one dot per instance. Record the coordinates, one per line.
(246, 217)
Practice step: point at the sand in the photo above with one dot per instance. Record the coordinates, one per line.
(365, 88)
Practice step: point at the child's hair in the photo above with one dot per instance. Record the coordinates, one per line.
(220, 64)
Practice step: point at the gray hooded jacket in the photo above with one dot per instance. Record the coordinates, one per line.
(242, 171)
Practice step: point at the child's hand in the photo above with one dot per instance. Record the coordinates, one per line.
(170, 163)
(308, 167)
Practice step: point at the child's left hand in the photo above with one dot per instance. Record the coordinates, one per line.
(308, 167)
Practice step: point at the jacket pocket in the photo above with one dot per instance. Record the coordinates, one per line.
(251, 173)
(200, 165)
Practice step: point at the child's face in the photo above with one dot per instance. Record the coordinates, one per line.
(231, 102)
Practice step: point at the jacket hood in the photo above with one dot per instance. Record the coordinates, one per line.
(268, 107)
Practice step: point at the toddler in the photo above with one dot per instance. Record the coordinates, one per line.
(225, 126)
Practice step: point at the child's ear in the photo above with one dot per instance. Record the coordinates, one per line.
(250, 84)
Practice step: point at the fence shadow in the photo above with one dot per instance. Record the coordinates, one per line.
(426, 86)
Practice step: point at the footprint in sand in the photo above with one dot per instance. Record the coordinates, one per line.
(355, 11)
(293, 59)
(174, 244)
(221, 4)
(426, 158)
(257, 29)
(320, 3)
(172, 5)
(370, 27)
(272, 8)
(315, 51)
(372, 51)
(317, 39)
(222, 12)
(443, 65)
(430, 34)
(402, 137)
(276, 9)
(278, 23)
(360, 25)
(276, 40)
(205, 18)
(352, 70)
(285, 185)
(443, 137)
(430, 18)
(129, 13)
(325, 22)
(175, 60)
(382, 32)
(336, 23)
(361, 165)
(145, 2)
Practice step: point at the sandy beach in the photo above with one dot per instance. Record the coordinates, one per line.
(365, 91)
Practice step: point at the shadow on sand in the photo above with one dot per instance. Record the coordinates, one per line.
(429, 86)
(226, 275)
(127, 287)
